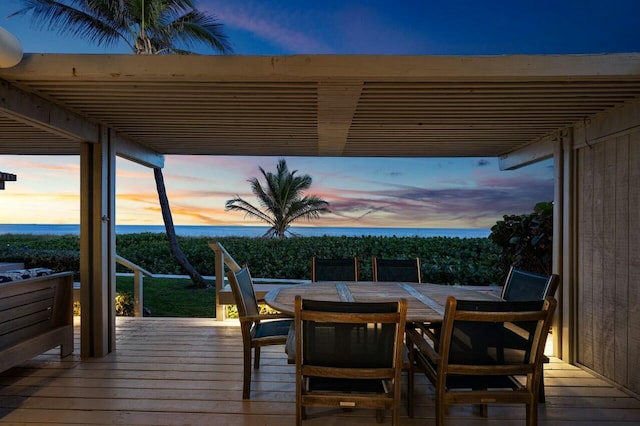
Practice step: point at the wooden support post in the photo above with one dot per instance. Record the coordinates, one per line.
(97, 248)
(567, 300)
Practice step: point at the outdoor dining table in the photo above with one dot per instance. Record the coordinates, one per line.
(425, 302)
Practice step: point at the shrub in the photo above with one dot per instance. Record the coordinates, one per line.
(124, 304)
(444, 260)
(526, 241)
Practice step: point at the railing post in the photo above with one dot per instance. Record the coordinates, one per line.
(138, 304)
(222, 258)
(138, 291)
(219, 264)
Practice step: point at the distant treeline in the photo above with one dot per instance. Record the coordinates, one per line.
(444, 260)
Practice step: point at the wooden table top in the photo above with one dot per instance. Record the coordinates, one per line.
(425, 302)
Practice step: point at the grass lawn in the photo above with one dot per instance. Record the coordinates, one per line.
(172, 297)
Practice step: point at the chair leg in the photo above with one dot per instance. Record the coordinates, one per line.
(395, 416)
(256, 357)
(532, 413)
(484, 410)
(246, 384)
(440, 410)
(410, 381)
(299, 414)
(541, 397)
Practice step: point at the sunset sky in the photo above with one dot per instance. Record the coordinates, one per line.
(441, 192)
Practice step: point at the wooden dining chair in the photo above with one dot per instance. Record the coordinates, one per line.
(349, 355)
(334, 269)
(257, 329)
(475, 361)
(525, 285)
(398, 270)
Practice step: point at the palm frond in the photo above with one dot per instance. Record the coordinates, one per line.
(308, 208)
(149, 26)
(77, 18)
(238, 204)
(196, 27)
(281, 198)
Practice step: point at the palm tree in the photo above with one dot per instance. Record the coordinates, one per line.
(147, 27)
(281, 199)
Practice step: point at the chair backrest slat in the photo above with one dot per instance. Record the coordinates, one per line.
(397, 270)
(243, 292)
(334, 269)
(339, 339)
(524, 285)
(346, 349)
(495, 333)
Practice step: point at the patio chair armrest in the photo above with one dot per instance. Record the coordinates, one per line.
(261, 317)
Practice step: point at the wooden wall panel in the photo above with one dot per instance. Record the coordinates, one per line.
(585, 266)
(633, 360)
(621, 260)
(598, 255)
(608, 259)
(607, 282)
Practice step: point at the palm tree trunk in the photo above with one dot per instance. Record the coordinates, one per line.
(180, 257)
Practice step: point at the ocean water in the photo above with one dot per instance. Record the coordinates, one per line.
(252, 231)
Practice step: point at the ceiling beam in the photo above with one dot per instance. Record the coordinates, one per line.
(529, 154)
(37, 112)
(336, 106)
(136, 152)
(98, 67)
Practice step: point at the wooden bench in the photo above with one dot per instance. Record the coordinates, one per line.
(36, 315)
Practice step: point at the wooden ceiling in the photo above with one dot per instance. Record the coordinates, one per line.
(360, 106)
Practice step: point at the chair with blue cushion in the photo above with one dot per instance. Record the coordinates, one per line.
(257, 329)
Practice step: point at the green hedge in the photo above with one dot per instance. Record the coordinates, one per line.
(444, 260)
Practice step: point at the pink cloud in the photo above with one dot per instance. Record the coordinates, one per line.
(275, 26)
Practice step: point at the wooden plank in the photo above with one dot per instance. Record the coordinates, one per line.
(598, 256)
(344, 293)
(24, 327)
(22, 309)
(608, 285)
(633, 319)
(585, 310)
(147, 381)
(621, 261)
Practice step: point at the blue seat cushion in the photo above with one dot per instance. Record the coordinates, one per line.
(273, 328)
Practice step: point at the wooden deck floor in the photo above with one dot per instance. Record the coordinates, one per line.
(189, 372)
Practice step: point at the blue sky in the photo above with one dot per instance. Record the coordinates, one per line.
(467, 192)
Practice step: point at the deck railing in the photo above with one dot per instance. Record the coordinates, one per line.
(224, 296)
(223, 293)
(222, 257)
(138, 277)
